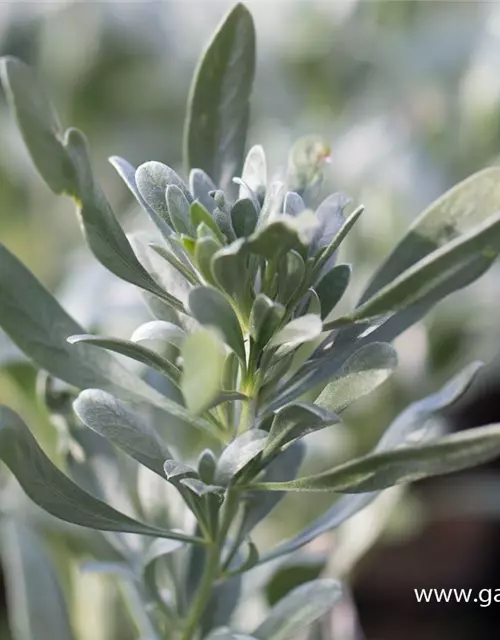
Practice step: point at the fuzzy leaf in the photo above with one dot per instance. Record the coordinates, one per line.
(293, 204)
(332, 287)
(127, 173)
(152, 179)
(243, 217)
(284, 467)
(327, 257)
(254, 173)
(295, 421)
(282, 234)
(299, 609)
(131, 350)
(38, 123)
(113, 420)
(200, 214)
(37, 610)
(238, 454)
(178, 210)
(157, 332)
(458, 211)
(330, 218)
(361, 374)
(39, 326)
(201, 185)
(50, 489)
(211, 309)
(412, 419)
(303, 329)
(431, 271)
(227, 634)
(203, 365)
(218, 108)
(103, 233)
(406, 464)
(229, 267)
(265, 318)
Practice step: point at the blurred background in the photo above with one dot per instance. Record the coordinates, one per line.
(408, 95)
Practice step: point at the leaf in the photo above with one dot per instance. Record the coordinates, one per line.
(238, 454)
(152, 179)
(427, 274)
(50, 489)
(229, 268)
(111, 419)
(201, 185)
(177, 285)
(457, 212)
(290, 275)
(346, 507)
(218, 107)
(227, 634)
(361, 374)
(104, 235)
(224, 600)
(332, 287)
(300, 608)
(331, 219)
(211, 309)
(182, 266)
(243, 217)
(414, 417)
(203, 365)
(282, 234)
(265, 318)
(297, 331)
(156, 551)
(273, 204)
(39, 326)
(127, 172)
(406, 464)
(199, 214)
(36, 606)
(38, 123)
(158, 332)
(254, 173)
(178, 210)
(293, 204)
(176, 471)
(131, 350)
(410, 420)
(327, 257)
(292, 573)
(259, 505)
(295, 421)
(204, 251)
(207, 462)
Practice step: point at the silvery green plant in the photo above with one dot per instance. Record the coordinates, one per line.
(247, 351)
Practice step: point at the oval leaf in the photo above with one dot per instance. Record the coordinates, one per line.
(110, 418)
(219, 101)
(203, 365)
(211, 309)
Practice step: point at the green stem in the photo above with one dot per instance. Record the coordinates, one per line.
(202, 597)
(211, 570)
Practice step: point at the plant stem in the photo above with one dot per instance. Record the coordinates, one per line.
(211, 570)
(204, 592)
